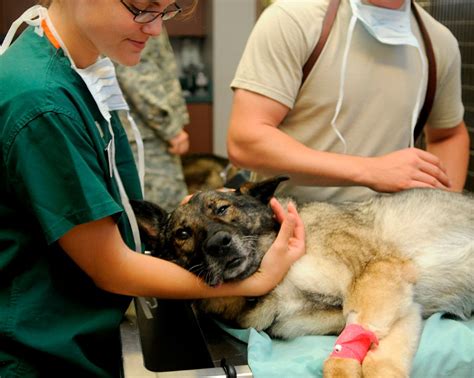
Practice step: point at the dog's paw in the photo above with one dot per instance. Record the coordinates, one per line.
(341, 368)
(374, 367)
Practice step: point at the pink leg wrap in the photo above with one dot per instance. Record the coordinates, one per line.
(354, 342)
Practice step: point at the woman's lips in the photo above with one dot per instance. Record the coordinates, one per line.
(137, 44)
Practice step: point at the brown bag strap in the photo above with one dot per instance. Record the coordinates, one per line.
(326, 29)
(431, 87)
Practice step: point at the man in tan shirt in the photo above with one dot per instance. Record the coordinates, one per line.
(344, 134)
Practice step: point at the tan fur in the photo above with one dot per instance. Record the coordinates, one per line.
(206, 171)
(342, 368)
(226, 307)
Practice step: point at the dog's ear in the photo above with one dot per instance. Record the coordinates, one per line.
(262, 190)
(151, 219)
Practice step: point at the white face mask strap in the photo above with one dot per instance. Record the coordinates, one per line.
(123, 194)
(407, 6)
(140, 151)
(111, 148)
(418, 105)
(128, 210)
(32, 16)
(350, 33)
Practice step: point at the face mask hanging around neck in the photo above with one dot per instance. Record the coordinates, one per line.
(391, 27)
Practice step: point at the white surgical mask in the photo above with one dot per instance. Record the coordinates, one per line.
(102, 83)
(388, 26)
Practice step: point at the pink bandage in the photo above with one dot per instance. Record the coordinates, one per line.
(354, 342)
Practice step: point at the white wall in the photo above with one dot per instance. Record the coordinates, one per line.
(232, 22)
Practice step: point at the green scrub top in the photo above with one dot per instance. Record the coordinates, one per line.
(54, 175)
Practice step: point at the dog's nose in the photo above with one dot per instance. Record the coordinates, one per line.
(216, 244)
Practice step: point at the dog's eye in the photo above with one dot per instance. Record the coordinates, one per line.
(221, 210)
(183, 234)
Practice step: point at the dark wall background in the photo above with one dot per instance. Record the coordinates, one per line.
(10, 10)
(458, 16)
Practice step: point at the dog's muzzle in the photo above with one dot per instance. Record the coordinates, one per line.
(218, 244)
(219, 248)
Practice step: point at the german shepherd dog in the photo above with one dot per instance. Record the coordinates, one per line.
(381, 264)
(204, 171)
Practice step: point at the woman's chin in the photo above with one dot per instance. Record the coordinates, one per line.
(130, 59)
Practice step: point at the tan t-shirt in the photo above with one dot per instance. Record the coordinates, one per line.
(380, 92)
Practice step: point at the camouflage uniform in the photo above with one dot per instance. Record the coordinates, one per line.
(156, 102)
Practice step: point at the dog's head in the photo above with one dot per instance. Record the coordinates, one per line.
(220, 236)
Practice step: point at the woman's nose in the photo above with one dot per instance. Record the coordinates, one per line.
(153, 28)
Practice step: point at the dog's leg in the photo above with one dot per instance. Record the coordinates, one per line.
(320, 322)
(380, 300)
(395, 352)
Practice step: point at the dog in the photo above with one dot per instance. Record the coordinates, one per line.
(380, 265)
(203, 171)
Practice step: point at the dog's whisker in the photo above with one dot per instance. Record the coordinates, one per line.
(199, 270)
(196, 267)
(207, 276)
(249, 237)
(200, 274)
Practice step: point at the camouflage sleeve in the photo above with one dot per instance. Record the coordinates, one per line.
(153, 91)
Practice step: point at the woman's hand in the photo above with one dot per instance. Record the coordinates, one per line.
(288, 247)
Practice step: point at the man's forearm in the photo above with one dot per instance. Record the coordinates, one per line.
(454, 155)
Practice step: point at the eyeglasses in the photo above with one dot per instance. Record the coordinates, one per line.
(145, 16)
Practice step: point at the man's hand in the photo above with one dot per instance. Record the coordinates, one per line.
(179, 145)
(405, 169)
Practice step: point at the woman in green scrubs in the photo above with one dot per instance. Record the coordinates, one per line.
(67, 265)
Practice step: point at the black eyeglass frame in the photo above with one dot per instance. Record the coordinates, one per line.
(138, 12)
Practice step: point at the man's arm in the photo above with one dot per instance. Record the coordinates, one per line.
(255, 142)
(451, 146)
